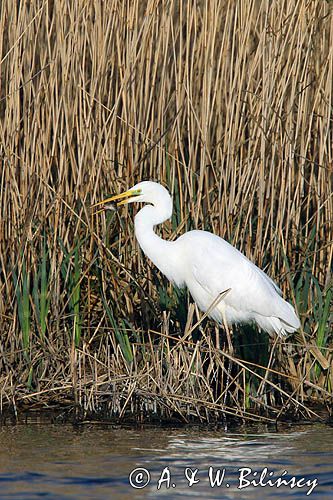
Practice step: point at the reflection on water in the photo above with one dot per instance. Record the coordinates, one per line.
(63, 462)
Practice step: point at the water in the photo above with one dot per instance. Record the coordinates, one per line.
(94, 462)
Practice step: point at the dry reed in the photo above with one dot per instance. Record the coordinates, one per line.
(228, 104)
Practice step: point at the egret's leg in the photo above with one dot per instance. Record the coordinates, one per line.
(231, 351)
(228, 332)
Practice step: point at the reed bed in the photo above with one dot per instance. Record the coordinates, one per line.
(228, 104)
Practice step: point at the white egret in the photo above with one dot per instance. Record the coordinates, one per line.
(208, 265)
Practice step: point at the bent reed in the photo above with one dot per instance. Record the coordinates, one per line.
(229, 105)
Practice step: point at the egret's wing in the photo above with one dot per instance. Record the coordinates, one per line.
(218, 266)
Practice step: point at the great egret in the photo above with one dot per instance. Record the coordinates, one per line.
(208, 265)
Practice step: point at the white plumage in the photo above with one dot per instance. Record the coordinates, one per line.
(208, 265)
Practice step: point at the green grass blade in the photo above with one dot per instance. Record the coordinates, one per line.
(121, 334)
(44, 302)
(26, 308)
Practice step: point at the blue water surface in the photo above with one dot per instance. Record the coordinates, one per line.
(100, 462)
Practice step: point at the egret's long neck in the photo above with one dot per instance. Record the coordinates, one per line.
(161, 252)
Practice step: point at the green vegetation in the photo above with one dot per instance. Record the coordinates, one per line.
(227, 104)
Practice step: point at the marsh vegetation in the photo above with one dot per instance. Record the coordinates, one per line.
(229, 105)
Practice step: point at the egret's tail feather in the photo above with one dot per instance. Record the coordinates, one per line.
(277, 325)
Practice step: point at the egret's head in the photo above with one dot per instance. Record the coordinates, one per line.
(146, 192)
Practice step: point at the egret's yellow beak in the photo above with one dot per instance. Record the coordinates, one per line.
(127, 195)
